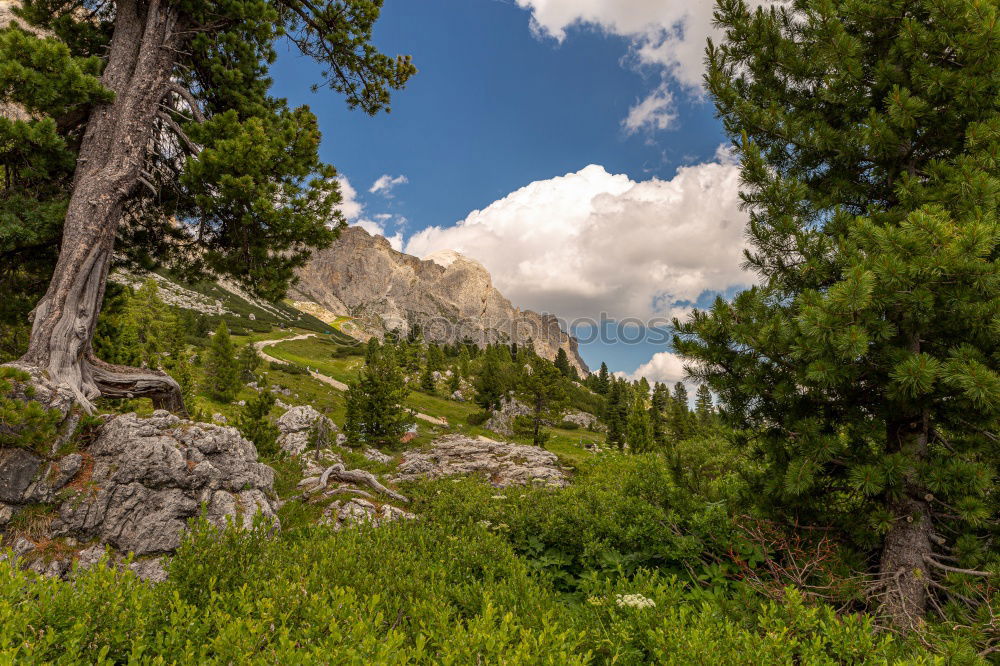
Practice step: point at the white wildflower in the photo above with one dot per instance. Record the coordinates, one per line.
(634, 601)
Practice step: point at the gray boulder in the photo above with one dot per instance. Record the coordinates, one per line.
(149, 476)
(296, 424)
(502, 463)
(502, 420)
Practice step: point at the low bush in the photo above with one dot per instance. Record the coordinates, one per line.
(287, 368)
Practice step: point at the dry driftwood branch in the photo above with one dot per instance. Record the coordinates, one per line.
(358, 476)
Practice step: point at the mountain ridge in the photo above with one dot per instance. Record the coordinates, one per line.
(451, 297)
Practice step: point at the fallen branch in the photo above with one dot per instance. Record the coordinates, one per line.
(358, 476)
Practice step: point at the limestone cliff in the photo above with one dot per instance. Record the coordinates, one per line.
(451, 297)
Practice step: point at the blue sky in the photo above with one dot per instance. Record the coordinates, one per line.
(498, 105)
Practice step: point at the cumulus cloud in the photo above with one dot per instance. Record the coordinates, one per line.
(656, 112)
(662, 367)
(349, 204)
(667, 35)
(354, 211)
(386, 183)
(593, 242)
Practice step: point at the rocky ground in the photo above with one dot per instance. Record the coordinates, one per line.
(131, 484)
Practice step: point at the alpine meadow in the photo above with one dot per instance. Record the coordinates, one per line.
(287, 378)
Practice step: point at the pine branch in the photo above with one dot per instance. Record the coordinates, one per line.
(944, 567)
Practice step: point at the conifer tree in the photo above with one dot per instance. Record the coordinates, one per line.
(255, 424)
(863, 368)
(145, 132)
(603, 382)
(639, 429)
(248, 360)
(616, 413)
(703, 406)
(563, 365)
(540, 387)
(222, 374)
(427, 379)
(435, 358)
(375, 412)
(492, 382)
(658, 414)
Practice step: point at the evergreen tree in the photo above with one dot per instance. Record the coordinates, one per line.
(248, 360)
(603, 381)
(147, 133)
(222, 374)
(703, 406)
(254, 423)
(540, 387)
(658, 414)
(375, 412)
(435, 358)
(616, 413)
(863, 368)
(492, 382)
(427, 379)
(464, 361)
(639, 428)
(680, 416)
(454, 382)
(563, 365)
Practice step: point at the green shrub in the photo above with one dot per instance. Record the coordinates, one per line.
(477, 418)
(287, 368)
(568, 425)
(24, 423)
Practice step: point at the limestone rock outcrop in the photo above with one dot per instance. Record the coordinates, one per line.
(296, 426)
(451, 298)
(501, 463)
(133, 488)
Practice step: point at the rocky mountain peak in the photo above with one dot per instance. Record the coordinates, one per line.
(451, 297)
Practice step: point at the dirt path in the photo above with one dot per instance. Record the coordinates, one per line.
(330, 381)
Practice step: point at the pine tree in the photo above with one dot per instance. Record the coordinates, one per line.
(603, 381)
(563, 365)
(254, 423)
(248, 360)
(639, 429)
(680, 413)
(427, 379)
(435, 358)
(222, 374)
(492, 383)
(703, 406)
(616, 413)
(147, 131)
(540, 387)
(658, 414)
(375, 412)
(863, 368)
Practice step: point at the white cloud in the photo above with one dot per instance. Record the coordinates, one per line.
(663, 367)
(592, 242)
(386, 183)
(667, 35)
(354, 211)
(656, 112)
(349, 205)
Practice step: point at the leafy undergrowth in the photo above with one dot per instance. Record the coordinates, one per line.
(451, 588)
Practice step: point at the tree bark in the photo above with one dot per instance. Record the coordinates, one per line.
(903, 567)
(141, 58)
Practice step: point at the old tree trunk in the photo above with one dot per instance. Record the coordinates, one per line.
(112, 154)
(907, 548)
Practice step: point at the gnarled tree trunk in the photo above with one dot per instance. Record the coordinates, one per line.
(114, 149)
(903, 568)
